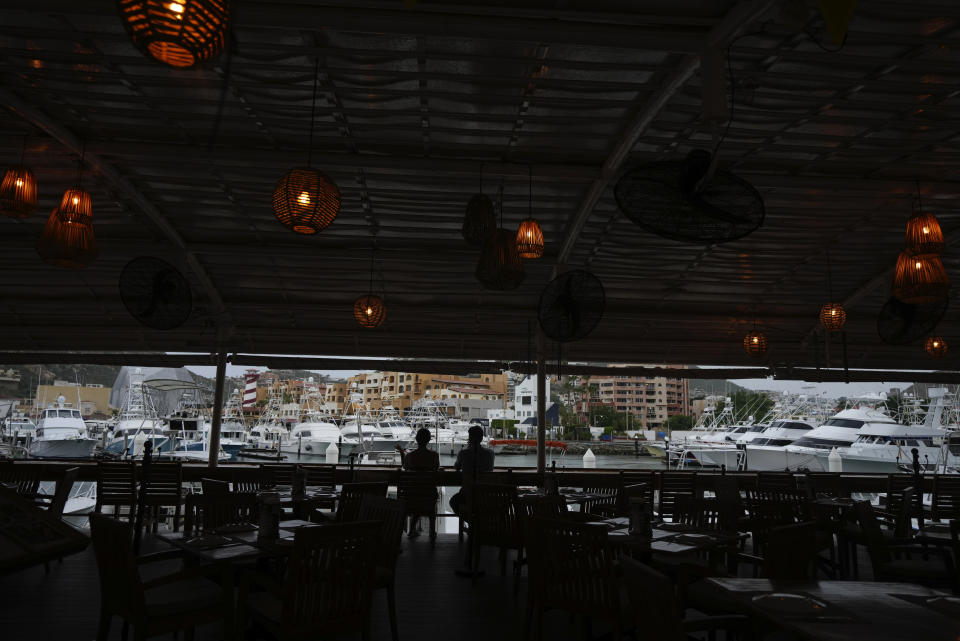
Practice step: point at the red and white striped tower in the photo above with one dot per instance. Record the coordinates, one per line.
(250, 378)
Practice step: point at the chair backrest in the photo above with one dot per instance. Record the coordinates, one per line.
(329, 578)
(493, 516)
(726, 488)
(389, 513)
(249, 480)
(418, 491)
(790, 551)
(895, 485)
(116, 484)
(215, 487)
(603, 495)
(120, 588)
(26, 478)
(653, 601)
(164, 483)
(825, 484)
(946, 498)
(673, 485)
(351, 497)
(207, 512)
(776, 481)
(278, 473)
(542, 507)
(324, 476)
(572, 568)
(62, 492)
(702, 514)
(873, 537)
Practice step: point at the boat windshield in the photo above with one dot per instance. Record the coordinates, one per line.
(845, 422)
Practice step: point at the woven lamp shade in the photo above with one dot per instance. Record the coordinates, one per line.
(18, 193)
(369, 311)
(920, 280)
(480, 221)
(76, 206)
(530, 239)
(924, 235)
(67, 244)
(179, 33)
(500, 266)
(833, 316)
(755, 343)
(305, 200)
(936, 346)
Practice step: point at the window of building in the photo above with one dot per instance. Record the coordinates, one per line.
(525, 400)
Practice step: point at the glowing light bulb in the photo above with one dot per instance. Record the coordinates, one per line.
(19, 182)
(176, 7)
(304, 198)
(926, 230)
(369, 311)
(936, 343)
(76, 200)
(833, 312)
(756, 339)
(919, 265)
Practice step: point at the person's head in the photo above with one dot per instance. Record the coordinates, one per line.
(475, 434)
(423, 437)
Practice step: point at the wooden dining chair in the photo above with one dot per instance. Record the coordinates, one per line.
(656, 610)
(274, 474)
(117, 487)
(180, 600)
(214, 487)
(418, 491)
(945, 504)
(390, 514)
(247, 479)
(24, 478)
(62, 491)
(351, 497)
(572, 568)
(327, 587)
(164, 488)
(674, 485)
(204, 513)
(494, 522)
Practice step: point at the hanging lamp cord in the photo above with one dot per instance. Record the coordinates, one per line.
(313, 109)
(373, 251)
(919, 201)
(23, 149)
(83, 151)
(829, 279)
(529, 191)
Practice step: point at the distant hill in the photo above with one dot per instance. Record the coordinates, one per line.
(84, 374)
(700, 387)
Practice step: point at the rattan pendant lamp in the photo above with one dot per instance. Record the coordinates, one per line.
(18, 191)
(179, 33)
(500, 266)
(529, 235)
(936, 346)
(919, 276)
(755, 341)
(480, 219)
(369, 310)
(304, 200)
(832, 315)
(67, 240)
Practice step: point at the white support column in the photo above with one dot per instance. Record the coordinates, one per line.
(214, 443)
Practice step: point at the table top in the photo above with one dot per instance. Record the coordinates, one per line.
(236, 544)
(669, 538)
(29, 535)
(841, 610)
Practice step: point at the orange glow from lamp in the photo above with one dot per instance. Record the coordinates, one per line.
(18, 193)
(179, 33)
(833, 316)
(369, 311)
(924, 235)
(936, 346)
(76, 206)
(920, 280)
(529, 235)
(71, 245)
(755, 343)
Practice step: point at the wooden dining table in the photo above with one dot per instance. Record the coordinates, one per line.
(842, 610)
(238, 543)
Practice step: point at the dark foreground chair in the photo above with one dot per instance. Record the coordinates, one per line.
(390, 514)
(418, 491)
(327, 587)
(179, 601)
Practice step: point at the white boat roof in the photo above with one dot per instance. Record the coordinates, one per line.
(897, 430)
(865, 414)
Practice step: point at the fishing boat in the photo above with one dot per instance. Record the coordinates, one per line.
(61, 433)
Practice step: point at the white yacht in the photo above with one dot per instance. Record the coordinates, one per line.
(314, 435)
(269, 431)
(18, 428)
(811, 450)
(368, 435)
(138, 423)
(766, 452)
(61, 433)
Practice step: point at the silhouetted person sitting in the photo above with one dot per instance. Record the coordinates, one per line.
(471, 460)
(420, 459)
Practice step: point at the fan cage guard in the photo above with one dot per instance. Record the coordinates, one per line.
(305, 201)
(900, 323)
(179, 33)
(139, 291)
(18, 193)
(71, 245)
(833, 316)
(586, 290)
(369, 311)
(479, 221)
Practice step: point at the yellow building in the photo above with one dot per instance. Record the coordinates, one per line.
(94, 399)
(400, 390)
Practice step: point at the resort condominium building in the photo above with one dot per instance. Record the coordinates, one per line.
(400, 390)
(650, 399)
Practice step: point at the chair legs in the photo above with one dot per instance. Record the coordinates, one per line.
(392, 608)
(103, 626)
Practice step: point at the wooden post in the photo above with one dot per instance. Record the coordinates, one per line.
(541, 405)
(214, 443)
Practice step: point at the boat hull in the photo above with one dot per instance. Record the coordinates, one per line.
(773, 458)
(65, 448)
(316, 448)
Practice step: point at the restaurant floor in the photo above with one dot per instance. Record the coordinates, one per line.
(431, 600)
